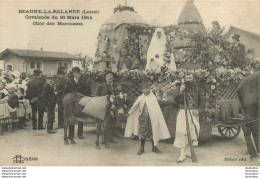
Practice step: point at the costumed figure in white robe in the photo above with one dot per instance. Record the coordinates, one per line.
(155, 53)
(146, 120)
(195, 103)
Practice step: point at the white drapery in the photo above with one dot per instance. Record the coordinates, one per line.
(156, 52)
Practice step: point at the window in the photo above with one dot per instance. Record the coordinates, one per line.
(35, 65)
(65, 65)
(32, 65)
(39, 65)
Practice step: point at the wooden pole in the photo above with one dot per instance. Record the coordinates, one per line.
(192, 151)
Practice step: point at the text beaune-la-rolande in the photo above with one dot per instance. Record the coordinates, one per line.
(55, 11)
(59, 14)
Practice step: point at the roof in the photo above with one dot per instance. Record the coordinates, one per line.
(189, 14)
(33, 54)
(249, 39)
(125, 16)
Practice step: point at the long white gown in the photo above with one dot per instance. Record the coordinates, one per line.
(156, 52)
(181, 139)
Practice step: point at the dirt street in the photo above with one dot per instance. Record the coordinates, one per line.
(50, 150)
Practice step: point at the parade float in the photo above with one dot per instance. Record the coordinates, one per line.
(209, 57)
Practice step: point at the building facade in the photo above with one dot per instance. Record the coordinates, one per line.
(29, 60)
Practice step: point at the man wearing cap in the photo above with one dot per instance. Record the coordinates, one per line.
(195, 103)
(34, 94)
(238, 52)
(110, 88)
(78, 83)
(60, 85)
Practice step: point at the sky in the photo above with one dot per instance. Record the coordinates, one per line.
(17, 32)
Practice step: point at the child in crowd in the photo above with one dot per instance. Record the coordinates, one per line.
(13, 104)
(22, 88)
(146, 120)
(21, 111)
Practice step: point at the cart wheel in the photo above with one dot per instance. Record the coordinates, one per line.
(229, 131)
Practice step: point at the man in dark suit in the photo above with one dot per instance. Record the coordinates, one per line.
(60, 85)
(108, 88)
(49, 100)
(34, 94)
(239, 52)
(78, 83)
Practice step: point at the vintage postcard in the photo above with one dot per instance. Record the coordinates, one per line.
(129, 83)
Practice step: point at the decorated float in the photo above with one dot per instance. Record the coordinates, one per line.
(208, 56)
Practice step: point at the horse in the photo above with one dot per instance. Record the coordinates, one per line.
(248, 92)
(74, 111)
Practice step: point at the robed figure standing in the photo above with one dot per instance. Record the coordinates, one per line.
(156, 50)
(156, 53)
(146, 120)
